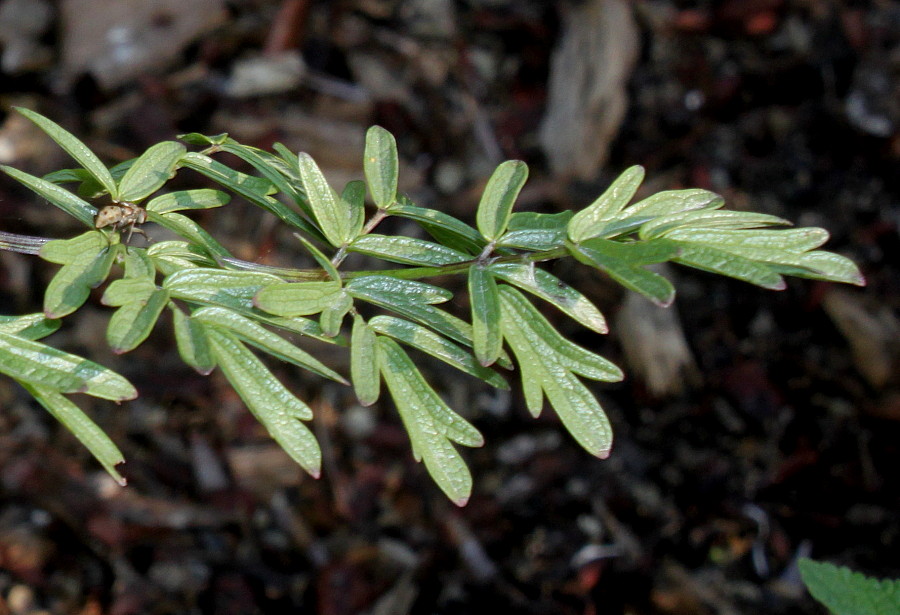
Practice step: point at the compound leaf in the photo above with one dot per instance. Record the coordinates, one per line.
(419, 407)
(589, 222)
(255, 189)
(553, 290)
(256, 335)
(429, 342)
(279, 411)
(546, 363)
(624, 263)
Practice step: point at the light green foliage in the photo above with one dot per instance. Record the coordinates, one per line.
(846, 592)
(226, 311)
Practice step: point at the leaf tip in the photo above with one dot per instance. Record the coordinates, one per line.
(461, 501)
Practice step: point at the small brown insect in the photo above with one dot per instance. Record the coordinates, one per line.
(121, 215)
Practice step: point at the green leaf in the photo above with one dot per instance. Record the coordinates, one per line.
(784, 250)
(534, 231)
(75, 148)
(234, 290)
(590, 221)
(72, 284)
(846, 592)
(707, 218)
(150, 171)
(487, 340)
(254, 189)
(131, 324)
(68, 176)
(431, 343)
(675, 201)
(334, 221)
(127, 290)
(225, 175)
(41, 365)
(364, 362)
(446, 229)
(623, 263)
(138, 264)
(297, 298)
(195, 138)
(82, 427)
(419, 407)
(193, 343)
(29, 326)
(398, 296)
(548, 361)
(190, 230)
(407, 250)
(553, 290)
(247, 330)
(77, 208)
(171, 256)
(203, 198)
(495, 207)
(279, 411)
(272, 168)
(332, 318)
(289, 157)
(65, 251)
(381, 165)
(353, 198)
(390, 289)
(725, 263)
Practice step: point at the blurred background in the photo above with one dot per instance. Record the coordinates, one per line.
(753, 427)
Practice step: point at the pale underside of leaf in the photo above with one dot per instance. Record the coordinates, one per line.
(150, 171)
(36, 363)
(548, 287)
(364, 363)
(429, 342)
(260, 337)
(429, 443)
(279, 411)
